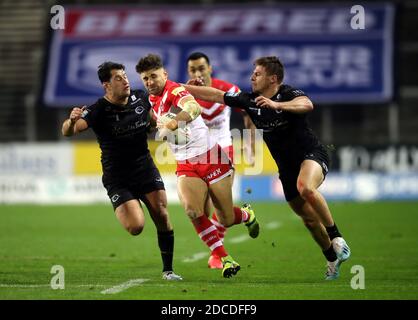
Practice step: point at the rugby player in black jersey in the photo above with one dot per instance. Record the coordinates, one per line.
(120, 120)
(280, 112)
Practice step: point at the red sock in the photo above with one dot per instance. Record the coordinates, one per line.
(240, 216)
(209, 234)
(219, 226)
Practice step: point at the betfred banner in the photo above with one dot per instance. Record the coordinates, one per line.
(332, 52)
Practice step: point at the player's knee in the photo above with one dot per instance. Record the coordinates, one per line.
(306, 192)
(193, 213)
(135, 230)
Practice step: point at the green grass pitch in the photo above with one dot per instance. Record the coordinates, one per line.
(282, 263)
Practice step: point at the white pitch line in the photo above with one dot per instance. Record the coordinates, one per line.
(4, 285)
(273, 225)
(123, 286)
(196, 257)
(239, 239)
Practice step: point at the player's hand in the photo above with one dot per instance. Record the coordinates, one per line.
(264, 102)
(196, 82)
(159, 124)
(76, 114)
(163, 132)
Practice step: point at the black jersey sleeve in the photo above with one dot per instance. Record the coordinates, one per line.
(90, 115)
(289, 93)
(240, 100)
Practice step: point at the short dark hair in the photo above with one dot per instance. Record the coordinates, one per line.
(272, 65)
(198, 55)
(105, 70)
(149, 62)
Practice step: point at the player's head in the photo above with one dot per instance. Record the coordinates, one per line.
(198, 66)
(114, 79)
(152, 73)
(268, 72)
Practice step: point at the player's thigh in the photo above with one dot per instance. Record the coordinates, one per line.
(156, 202)
(310, 175)
(221, 196)
(192, 193)
(131, 215)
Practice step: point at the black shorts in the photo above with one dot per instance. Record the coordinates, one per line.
(133, 183)
(289, 168)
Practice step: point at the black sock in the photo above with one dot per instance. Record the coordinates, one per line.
(166, 244)
(333, 232)
(330, 254)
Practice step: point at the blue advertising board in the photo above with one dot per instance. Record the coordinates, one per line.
(338, 187)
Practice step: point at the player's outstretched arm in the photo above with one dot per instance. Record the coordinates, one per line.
(74, 124)
(297, 105)
(206, 93)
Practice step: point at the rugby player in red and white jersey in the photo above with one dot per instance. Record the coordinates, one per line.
(217, 118)
(203, 168)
